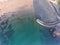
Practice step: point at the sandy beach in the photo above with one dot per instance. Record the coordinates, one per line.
(15, 5)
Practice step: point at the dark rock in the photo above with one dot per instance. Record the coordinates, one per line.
(4, 22)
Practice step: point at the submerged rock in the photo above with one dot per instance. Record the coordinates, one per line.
(9, 33)
(3, 39)
(56, 33)
(6, 30)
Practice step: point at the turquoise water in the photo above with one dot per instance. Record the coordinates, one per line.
(28, 32)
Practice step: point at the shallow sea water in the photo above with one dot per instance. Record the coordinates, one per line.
(27, 32)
